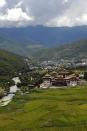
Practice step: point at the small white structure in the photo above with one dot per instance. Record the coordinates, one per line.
(46, 81)
(72, 83)
(45, 85)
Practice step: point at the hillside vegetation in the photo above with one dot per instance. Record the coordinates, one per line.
(31, 49)
(67, 51)
(10, 63)
(28, 41)
(27, 48)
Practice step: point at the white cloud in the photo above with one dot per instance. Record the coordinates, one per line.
(65, 1)
(71, 16)
(15, 15)
(82, 20)
(44, 12)
(61, 21)
(2, 3)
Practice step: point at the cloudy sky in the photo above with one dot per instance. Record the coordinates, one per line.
(43, 12)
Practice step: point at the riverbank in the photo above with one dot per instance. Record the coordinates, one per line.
(13, 89)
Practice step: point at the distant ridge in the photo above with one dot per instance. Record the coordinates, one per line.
(45, 42)
(68, 51)
(47, 36)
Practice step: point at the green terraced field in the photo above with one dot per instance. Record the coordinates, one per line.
(47, 110)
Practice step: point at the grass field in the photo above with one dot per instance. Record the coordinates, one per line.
(47, 110)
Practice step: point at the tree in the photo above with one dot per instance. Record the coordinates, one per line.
(1, 92)
(85, 75)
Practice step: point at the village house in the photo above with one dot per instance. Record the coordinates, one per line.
(46, 81)
(63, 78)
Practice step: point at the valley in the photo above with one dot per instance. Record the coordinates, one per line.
(50, 91)
(43, 65)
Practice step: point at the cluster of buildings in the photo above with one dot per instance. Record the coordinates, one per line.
(62, 78)
(54, 64)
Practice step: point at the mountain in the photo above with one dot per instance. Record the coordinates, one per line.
(76, 49)
(45, 36)
(10, 63)
(33, 40)
(23, 49)
(68, 51)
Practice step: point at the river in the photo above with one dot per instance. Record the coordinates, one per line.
(13, 89)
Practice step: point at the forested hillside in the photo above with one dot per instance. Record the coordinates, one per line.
(10, 63)
(74, 50)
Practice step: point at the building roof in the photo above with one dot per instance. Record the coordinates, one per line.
(70, 77)
(47, 75)
(63, 72)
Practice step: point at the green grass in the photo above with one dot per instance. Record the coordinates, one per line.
(47, 110)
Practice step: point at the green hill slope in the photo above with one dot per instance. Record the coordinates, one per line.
(31, 49)
(10, 63)
(26, 48)
(74, 50)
